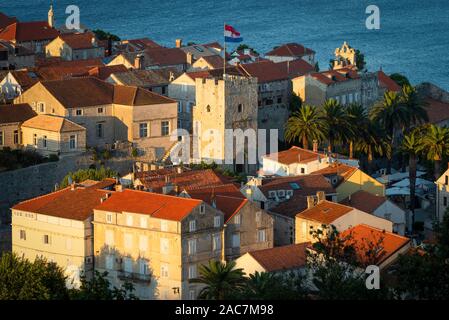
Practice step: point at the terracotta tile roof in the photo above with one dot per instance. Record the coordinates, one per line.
(146, 78)
(290, 50)
(341, 170)
(154, 204)
(264, 71)
(164, 57)
(294, 155)
(334, 76)
(80, 92)
(364, 201)
(78, 41)
(6, 20)
(52, 123)
(215, 62)
(282, 258)
(387, 83)
(437, 111)
(103, 72)
(75, 204)
(228, 198)
(59, 70)
(13, 113)
(296, 68)
(135, 96)
(188, 180)
(57, 62)
(28, 31)
(364, 235)
(143, 43)
(24, 78)
(214, 45)
(325, 212)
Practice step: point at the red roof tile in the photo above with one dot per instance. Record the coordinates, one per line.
(15, 113)
(333, 76)
(387, 83)
(294, 155)
(154, 204)
(264, 71)
(364, 201)
(164, 57)
(437, 111)
(290, 50)
(296, 68)
(103, 72)
(75, 204)
(341, 170)
(29, 31)
(6, 20)
(325, 212)
(364, 237)
(78, 40)
(282, 258)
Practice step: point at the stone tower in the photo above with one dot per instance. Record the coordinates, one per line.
(220, 105)
(51, 16)
(344, 56)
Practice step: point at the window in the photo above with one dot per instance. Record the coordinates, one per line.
(446, 182)
(216, 242)
(143, 267)
(238, 219)
(271, 194)
(53, 110)
(79, 112)
(100, 110)
(143, 130)
(128, 265)
(164, 245)
(109, 238)
(217, 221)
(46, 239)
(202, 208)
(165, 128)
(109, 217)
(35, 140)
(129, 220)
(281, 193)
(128, 239)
(164, 225)
(208, 108)
(180, 107)
(164, 89)
(289, 193)
(279, 99)
(239, 108)
(188, 107)
(184, 87)
(45, 141)
(41, 107)
(303, 170)
(445, 201)
(109, 262)
(72, 142)
(2, 139)
(16, 137)
(143, 242)
(192, 226)
(192, 271)
(236, 240)
(258, 216)
(388, 216)
(23, 235)
(261, 235)
(100, 132)
(192, 246)
(143, 222)
(164, 270)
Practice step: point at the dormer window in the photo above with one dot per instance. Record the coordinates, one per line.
(208, 108)
(289, 193)
(271, 194)
(281, 193)
(202, 208)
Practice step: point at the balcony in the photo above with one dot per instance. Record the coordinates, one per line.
(135, 277)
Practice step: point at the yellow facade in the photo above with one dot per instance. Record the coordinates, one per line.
(359, 180)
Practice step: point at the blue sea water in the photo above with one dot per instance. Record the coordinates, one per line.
(413, 38)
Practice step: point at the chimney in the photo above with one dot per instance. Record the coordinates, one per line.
(315, 146)
(178, 43)
(310, 202)
(189, 58)
(138, 62)
(72, 186)
(349, 198)
(320, 196)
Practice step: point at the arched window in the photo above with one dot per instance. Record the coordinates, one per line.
(239, 108)
(208, 108)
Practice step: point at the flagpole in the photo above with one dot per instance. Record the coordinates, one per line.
(224, 56)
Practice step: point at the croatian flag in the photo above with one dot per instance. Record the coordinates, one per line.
(231, 35)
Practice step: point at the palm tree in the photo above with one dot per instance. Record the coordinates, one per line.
(337, 123)
(391, 115)
(358, 119)
(412, 146)
(436, 145)
(221, 280)
(305, 125)
(415, 106)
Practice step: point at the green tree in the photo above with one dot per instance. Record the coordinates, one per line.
(305, 125)
(88, 174)
(436, 145)
(221, 280)
(415, 106)
(21, 279)
(358, 119)
(412, 146)
(103, 35)
(336, 122)
(400, 79)
(360, 60)
(295, 103)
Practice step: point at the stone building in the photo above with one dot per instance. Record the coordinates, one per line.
(226, 103)
(156, 241)
(14, 56)
(442, 196)
(11, 118)
(345, 57)
(109, 113)
(290, 52)
(75, 46)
